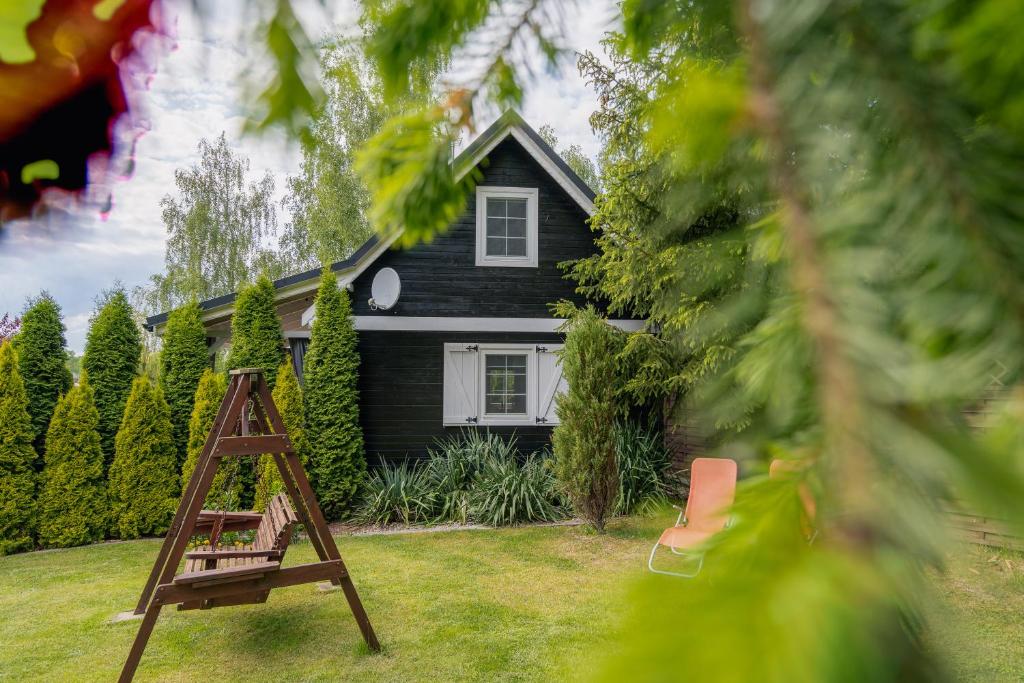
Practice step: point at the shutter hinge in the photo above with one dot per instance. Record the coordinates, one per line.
(542, 349)
(471, 420)
(472, 347)
(540, 420)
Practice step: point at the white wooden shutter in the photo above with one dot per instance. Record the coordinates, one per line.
(460, 384)
(550, 383)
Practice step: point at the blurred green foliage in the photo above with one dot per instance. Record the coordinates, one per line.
(815, 205)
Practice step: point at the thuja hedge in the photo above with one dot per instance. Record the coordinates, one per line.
(287, 397)
(336, 456)
(41, 357)
(113, 347)
(17, 458)
(225, 491)
(183, 359)
(143, 477)
(72, 507)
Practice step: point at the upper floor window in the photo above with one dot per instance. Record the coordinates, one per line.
(506, 226)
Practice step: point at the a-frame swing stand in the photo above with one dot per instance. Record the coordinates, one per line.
(247, 423)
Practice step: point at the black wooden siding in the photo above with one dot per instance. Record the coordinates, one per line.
(442, 279)
(401, 382)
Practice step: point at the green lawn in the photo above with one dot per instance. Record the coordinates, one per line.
(527, 604)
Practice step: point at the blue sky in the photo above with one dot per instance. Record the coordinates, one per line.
(198, 90)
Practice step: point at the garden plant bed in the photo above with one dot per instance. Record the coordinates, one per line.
(521, 604)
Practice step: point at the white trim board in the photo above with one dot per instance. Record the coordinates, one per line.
(395, 323)
(540, 157)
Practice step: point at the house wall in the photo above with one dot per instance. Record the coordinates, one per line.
(400, 390)
(402, 373)
(441, 278)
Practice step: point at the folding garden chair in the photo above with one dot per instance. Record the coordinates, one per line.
(712, 491)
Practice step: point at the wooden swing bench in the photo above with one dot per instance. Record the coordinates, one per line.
(207, 564)
(214, 576)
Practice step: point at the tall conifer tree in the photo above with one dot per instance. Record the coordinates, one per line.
(73, 500)
(256, 342)
(183, 359)
(41, 362)
(212, 387)
(336, 455)
(144, 474)
(288, 399)
(17, 458)
(256, 330)
(113, 348)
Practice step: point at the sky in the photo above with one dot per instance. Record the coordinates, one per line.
(204, 73)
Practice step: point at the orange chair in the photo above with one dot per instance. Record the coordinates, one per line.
(712, 491)
(785, 468)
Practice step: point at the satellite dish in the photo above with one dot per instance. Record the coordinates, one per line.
(385, 289)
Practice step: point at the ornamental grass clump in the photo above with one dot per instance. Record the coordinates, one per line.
(453, 468)
(474, 477)
(508, 491)
(396, 494)
(642, 462)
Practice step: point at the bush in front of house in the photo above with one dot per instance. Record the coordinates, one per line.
(143, 482)
(256, 338)
(474, 477)
(41, 363)
(453, 467)
(584, 440)
(336, 456)
(17, 458)
(72, 507)
(510, 491)
(183, 359)
(256, 342)
(113, 347)
(287, 397)
(395, 494)
(226, 490)
(642, 462)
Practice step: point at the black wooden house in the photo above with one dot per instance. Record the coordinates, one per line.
(470, 341)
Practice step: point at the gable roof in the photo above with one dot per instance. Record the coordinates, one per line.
(509, 124)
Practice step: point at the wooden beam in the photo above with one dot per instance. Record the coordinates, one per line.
(222, 423)
(253, 445)
(170, 594)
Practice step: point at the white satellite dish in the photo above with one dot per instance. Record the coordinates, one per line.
(385, 289)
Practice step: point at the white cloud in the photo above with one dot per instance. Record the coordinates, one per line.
(197, 91)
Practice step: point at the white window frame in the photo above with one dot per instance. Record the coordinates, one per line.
(474, 387)
(527, 418)
(530, 194)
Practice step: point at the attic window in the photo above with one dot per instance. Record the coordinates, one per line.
(506, 226)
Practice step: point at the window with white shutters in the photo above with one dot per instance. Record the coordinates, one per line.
(502, 384)
(550, 383)
(460, 384)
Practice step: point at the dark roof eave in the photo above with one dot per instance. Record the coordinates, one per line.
(280, 283)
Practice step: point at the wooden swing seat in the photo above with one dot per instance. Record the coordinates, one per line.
(207, 566)
(247, 424)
